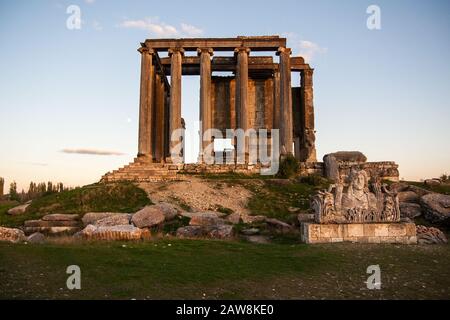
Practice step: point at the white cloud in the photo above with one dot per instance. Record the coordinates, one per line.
(89, 1)
(305, 48)
(92, 152)
(191, 30)
(309, 49)
(160, 29)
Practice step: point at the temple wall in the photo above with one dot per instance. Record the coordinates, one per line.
(260, 104)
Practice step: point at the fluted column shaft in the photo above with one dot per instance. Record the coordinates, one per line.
(175, 92)
(205, 99)
(145, 103)
(307, 145)
(242, 94)
(286, 131)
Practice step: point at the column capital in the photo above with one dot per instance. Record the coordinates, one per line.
(308, 71)
(171, 51)
(210, 51)
(242, 49)
(143, 50)
(284, 50)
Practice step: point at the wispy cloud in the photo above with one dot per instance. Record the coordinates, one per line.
(191, 30)
(305, 48)
(89, 1)
(159, 29)
(92, 152)
(38, 164)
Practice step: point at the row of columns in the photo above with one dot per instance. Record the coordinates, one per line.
(283, 117)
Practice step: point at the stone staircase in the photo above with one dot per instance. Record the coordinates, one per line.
(142, 169)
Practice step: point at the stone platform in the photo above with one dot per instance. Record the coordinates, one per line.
(398, 232)
(143, 169)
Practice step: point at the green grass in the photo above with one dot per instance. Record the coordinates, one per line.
(443, 188)
(272, 198)
(196, 269)
(114, 197)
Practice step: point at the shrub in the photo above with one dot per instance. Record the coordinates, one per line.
(288, 167)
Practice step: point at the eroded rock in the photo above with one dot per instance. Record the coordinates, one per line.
(92, 217)
(148, 217)
(115, 220)
(11, 235)
(18, 210)
(436, 207)
(112, 233)
(410, 210)
(430, 235)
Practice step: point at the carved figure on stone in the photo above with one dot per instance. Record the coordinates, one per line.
(353, 201)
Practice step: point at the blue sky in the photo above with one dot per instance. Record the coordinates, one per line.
(383, 92)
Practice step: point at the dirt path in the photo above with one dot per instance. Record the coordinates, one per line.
(200, 194)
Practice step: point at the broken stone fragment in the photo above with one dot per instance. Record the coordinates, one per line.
(11, 235)
(112, 233)
(148, 217)
(430, 235)
(92, 217)
(19, 209)
(61, 217)
(115, 220)
(436, 207)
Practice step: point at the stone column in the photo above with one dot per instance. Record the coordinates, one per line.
(276, 100)
(205, 99)
(176, 55)
(145, 103)
(286, 130)
(307, 144)
(159, 118)
(242, 94)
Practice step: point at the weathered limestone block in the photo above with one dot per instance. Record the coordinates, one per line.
(169, 210)
(61, 217)
(148, 217)
(92, 217)
(52, 231)
(430, 235)
(47, 224)
(19, 209)
(252, 219)
(348, 156)
(408, 196)
(205, 219)
(436, 207)
(190, 232)
(11, 235)
(221, 231)
(410, 210)
(115, 220)
(36, 237)
(279, 224)
(401, 232)
(111, 233)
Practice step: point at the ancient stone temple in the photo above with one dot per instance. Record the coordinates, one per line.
(255, 95)
(259, 94)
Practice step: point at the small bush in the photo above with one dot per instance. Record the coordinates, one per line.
(314, 180)
(289, 167)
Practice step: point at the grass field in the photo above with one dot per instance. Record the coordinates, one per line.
(178, 269)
